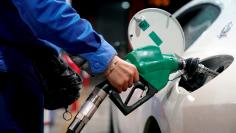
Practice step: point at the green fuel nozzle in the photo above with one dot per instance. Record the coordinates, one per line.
(153, 66)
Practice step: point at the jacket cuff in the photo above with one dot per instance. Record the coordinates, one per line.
(98, 61)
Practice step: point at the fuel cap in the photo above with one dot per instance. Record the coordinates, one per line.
(153, 26)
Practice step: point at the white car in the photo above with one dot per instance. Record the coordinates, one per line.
(202, 106)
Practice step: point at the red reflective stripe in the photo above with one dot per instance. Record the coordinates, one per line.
(71, 63)
(75, 106)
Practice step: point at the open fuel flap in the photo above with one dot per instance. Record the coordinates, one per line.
(153, 26)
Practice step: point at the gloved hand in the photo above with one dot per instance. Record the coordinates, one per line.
(121, 74)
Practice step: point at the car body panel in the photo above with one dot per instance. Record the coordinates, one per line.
(209, 109)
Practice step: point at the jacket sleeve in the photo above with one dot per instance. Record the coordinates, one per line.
(57, 22)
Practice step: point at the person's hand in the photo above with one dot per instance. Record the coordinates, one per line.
(121, 74)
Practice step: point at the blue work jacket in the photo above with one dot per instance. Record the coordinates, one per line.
(53, 22)
(39, 22)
